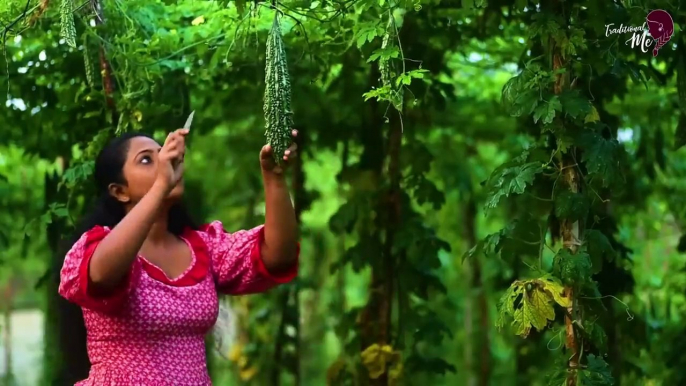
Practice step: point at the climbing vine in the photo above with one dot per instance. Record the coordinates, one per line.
(388, 87)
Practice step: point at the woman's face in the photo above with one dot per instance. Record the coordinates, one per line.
(140, 171)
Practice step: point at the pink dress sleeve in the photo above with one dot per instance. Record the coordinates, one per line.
(237, 263)
(74, 282)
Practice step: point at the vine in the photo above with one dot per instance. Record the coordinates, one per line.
(573, 160)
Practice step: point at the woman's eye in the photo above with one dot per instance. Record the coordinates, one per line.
(146, 159)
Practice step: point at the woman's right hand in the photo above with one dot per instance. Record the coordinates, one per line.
(170, 159)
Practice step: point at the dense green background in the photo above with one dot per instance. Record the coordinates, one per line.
(450, 150)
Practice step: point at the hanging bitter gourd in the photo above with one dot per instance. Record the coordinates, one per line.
(67, 27)
(391, 89)
(277, 94)
(88, 64)
(396, 94)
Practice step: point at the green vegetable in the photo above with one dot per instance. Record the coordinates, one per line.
(67, 27)
(90, 72)
(386, 68)
(277, 95)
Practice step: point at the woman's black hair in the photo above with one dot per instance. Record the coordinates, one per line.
(108, 211)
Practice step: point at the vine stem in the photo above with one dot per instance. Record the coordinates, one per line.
(570, 230)
(105, 66)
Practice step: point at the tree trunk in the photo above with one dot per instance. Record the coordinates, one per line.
(483, 339)
(393, 220)
(341, 302)
(108, 83)
(372, 160)
(468, 349)
(65, 343)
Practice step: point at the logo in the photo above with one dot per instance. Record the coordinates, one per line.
(659, 26)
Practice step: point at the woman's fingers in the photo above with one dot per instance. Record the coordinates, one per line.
(291, 152)
(176, 143)
(174, 136)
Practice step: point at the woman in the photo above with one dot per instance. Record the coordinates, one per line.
(147, 279)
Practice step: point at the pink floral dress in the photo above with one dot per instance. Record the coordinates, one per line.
(151, 331)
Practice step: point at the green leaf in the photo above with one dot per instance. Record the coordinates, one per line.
(545, 26)
(421, 282)
(344, 219)
(596, 373)
(381, 93)
(571, 206)
(574, 104)
(513, 180)
(358, 255)
(485, 246)
(572, 42)
(592, 116)
(366, 32)
(467, 4)
(595, 334)
(599, 248)
(572, 269)
(530, 304)
(604, 158)
(387, 53)
(522, 237)
(425, 191)
(406, 77)
(517, 97)
(429, 328)
(60, 212)
(420, 243)
(546, 111)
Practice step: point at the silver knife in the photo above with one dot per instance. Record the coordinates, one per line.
(189, 121)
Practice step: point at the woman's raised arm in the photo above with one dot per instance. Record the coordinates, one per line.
(279, 248)
(114, 255)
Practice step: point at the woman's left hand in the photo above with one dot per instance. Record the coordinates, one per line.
(267, 157)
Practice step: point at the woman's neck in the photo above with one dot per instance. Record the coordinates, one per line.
(159, 231)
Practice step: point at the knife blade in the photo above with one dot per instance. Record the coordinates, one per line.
(189, 120)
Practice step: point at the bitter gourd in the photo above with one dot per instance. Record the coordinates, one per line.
(67, 27)
(277, 94)
(90, 70)
(387, 70)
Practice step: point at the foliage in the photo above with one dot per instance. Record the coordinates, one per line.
(416, 119)
(530, 304)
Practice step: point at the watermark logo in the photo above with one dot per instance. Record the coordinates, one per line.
(656, 31)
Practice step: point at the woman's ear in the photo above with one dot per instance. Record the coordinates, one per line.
(119, 192)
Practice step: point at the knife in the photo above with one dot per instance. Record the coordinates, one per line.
(189, 121)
